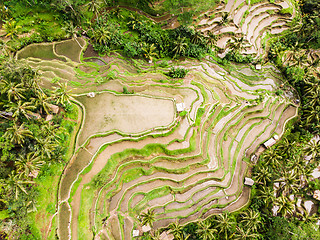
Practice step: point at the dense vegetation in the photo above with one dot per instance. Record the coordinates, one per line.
(29, 144)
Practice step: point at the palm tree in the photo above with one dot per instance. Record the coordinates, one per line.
(242, 234)
(312, 149)
(236, 44)
(305, 217)
(263, 174)
(102, 35)
(272, 157)
(21, 109)
(176, 229)
(93, 6)
(12, 90)
(289, 182)
(148, 217)
(61, 94)
(42, 101)
(312, 115)
(225, 224)
(134, 21)
(251, 219)
(211, 39)
(3, 48)
(149, 51)
(17, 134)
(180, 46)
(11, 28)
(286, 206)
(266, 193)
(197, 37)
(71, 31)
(46, 146)
(16, 184)
(28, 163)
(204, 231)
(224, 20)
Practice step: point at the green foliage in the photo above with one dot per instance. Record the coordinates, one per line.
(178, 72)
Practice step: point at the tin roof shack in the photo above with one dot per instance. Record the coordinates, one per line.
(271, 141)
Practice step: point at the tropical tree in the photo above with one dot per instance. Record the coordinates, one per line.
(134, 21)
(20, 109)
(262, 174)
(148, 217)
(272, 157)
(266, 193)
(15, 184)
(46, 146)
(102, 35)
(211, 39)
(242, 234)
(61, 94)
(197, 37)
(11, 28)
(93, 6)
(225, 19)
(236, 44)
(17, 134)
(180, 46)
(225, 224)
(149, 51)
(286, 206)
(204, 230)
(312, 149)
(289, 182)
(176, 229)
(28, 163)
(13, 90)
(251, 219)
(43, 102)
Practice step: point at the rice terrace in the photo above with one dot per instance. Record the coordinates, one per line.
(158, 142)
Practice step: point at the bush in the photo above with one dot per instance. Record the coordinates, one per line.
(177, 72)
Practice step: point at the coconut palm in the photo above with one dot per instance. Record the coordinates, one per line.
(42, 101)
(286, 206)
(3, 48)
(312, 115)
(197, 37)
(61, 94)
(20, 109)
(224, 20)
(180, 46)
(15, 184)
(11, 28)
(149, 51)
(204, 230)
(12, 90)
(134, 21)
(46, 146)
(251, 219)
(263, 174)
(102, 35)
(305, 217)
(272, 157)
(93, 6)
(289, 182)
(148, 217)
(266, 194)
(211, 39)
(176, 229)
(242, 234)
(17, 134)
(312, 149)
(28, 163)
(225, 224)
(236, 44)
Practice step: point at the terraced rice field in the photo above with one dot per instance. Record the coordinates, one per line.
(256, 22)
(135, 152)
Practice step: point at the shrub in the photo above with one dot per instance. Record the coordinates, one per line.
(177, 72)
